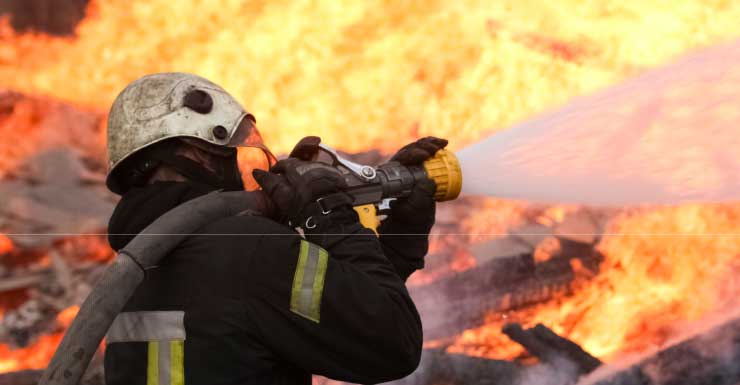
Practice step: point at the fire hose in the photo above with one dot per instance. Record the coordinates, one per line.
(123, 276)
(369, 187)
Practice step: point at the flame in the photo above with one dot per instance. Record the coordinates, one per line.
(6, 245)
(663, 268)
(376, 75)
(367, 75)
(29, 125)
(38, 354)
(66, 316)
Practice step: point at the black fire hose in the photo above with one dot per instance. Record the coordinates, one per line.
(124, 275)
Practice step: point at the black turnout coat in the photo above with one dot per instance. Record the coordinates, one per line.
(247, 300)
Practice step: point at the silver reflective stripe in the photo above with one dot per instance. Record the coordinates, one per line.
(142, 326)
(163, 362)
(309, 273)
(308, 281)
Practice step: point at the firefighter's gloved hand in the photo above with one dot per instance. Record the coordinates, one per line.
(305, 193)
(404, 235)
(306, 148)
(418, 208)
(414, 154)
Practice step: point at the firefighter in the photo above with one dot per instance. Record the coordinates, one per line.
(248, 299)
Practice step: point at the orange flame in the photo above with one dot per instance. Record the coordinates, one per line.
(66, 316)
(367, 75)
(38, 354)
(35, 356)
(376, 75)
(6, 245)
(664, 267)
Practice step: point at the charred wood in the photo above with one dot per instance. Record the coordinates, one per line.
(460, 301)
(549, 347)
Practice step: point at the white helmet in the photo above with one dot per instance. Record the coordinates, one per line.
(174, 105)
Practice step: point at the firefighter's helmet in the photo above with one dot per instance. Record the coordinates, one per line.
(174, 105)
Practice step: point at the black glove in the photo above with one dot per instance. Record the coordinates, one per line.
(303, 192)
(306, 148)
(404, 235)
(414, 154)
(413, 214)
(418, 208)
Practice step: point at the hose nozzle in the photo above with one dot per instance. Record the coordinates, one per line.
(444, 170)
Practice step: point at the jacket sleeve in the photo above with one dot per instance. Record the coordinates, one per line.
(340, 310)
(404, 234)
(405, 246)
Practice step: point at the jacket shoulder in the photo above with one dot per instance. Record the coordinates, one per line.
(246, 224)
(245, 236)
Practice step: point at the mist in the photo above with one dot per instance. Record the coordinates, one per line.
(668, 136)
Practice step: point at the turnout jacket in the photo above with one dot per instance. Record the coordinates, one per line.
(247, 300)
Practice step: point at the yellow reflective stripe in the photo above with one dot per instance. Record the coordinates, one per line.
(170, 355)
(152, 369)
(177, 363)
(308, 281)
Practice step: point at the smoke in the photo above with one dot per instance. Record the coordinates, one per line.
(559, 372)
(50, 16)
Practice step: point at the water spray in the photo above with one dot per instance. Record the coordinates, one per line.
(668, 136)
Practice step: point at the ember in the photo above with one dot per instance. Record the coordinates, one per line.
(603, 283)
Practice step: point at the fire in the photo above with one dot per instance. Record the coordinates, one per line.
(664, 267)
(367, 75)
(66, 316)
(35, 356)
(38, 354)
(31, 125)
(376, 75)
(6, 245)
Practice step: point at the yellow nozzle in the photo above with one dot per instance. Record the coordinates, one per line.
(444, 170)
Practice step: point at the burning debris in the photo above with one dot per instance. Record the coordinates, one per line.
(528, 266)
(552, 349)
(53, 215)
(52, 196)
(564, 360)
(31, 125)
(709, 357)
(549, 255)
(602, 284)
